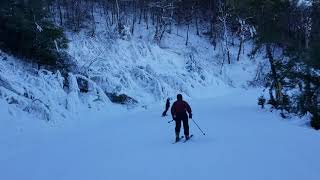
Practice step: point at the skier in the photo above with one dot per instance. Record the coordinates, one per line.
(179, 111)
(167, 107)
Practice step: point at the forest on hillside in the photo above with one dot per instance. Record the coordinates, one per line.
(287, 32)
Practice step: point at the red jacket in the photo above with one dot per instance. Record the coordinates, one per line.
(180, 107)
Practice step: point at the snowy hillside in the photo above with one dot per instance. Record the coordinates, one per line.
(134, 66)
(149, 72)
(43, 93)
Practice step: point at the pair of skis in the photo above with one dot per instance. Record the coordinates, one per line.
(182, 138)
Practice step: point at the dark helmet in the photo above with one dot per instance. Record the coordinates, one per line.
(179, 97)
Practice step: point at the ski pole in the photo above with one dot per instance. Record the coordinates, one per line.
(170, 121)
(199, 127)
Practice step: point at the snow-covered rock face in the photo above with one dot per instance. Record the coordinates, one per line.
(134, 66)
(149, 72)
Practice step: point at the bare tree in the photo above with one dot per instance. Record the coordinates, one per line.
(163, 10)
(243, 29)
(223, 18)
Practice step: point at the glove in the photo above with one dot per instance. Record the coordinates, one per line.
(190, 116)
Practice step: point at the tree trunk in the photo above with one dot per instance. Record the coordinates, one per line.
(162, 33)
(134, 17)
(278, 86)
(152, 15)
(118, 15)
(228, 53)
(187, 35)
(197, 26)
(93, 20)
(140, 17)
(240, 47)
(60, 13)
(146, 17)
(211, 29)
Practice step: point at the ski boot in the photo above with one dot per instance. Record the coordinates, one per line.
(177, 137)
(187, 137)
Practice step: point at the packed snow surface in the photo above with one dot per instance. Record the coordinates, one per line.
(242, 142)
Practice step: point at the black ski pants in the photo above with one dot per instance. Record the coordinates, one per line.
(184, 119)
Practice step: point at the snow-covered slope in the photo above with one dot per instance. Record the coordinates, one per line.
(241, 142)
(150, 72)
(134, 65)
(43, 93)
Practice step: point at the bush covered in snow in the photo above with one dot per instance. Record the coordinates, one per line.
(46, 94)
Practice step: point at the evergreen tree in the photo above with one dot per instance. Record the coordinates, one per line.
(26, 31)
(315, 35)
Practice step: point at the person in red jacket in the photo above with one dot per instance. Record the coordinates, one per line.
(179, 114)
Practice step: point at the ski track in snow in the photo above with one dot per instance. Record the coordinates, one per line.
(242, 142)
